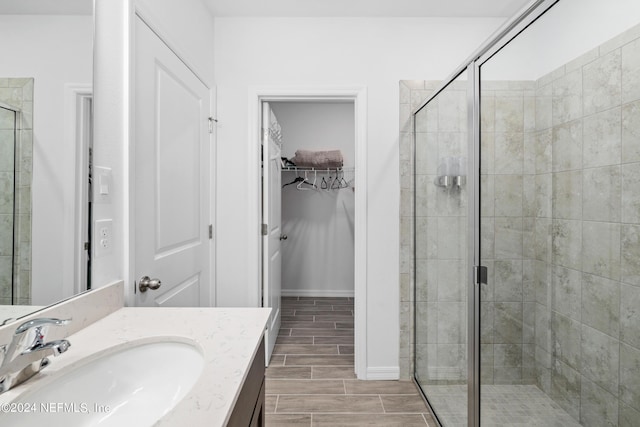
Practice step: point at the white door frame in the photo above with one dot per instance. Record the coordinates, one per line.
(77, 105)
(357, 94)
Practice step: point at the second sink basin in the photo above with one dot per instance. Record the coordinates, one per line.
(134, 385)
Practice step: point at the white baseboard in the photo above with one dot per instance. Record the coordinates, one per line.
(383, 373)
(316, 293)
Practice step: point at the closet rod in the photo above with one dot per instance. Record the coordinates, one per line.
(312, 169)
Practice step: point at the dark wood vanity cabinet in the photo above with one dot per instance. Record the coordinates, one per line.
(249, 409)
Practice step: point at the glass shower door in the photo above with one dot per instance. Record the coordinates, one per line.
(441, 267)
(554, 324)
(560, 222)
(7, 205)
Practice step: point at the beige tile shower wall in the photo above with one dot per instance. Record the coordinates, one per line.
(6, 202)
(566, 249)
(508, 301)
(440, 221)
(587, 244)
(18, 92)
(410, 92)
(507, 220)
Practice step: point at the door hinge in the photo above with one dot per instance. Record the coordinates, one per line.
(210, 231)
(480, 274)
(86, 246)
(211, 121)
(265, 229)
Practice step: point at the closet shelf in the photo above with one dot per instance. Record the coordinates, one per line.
(312, 169)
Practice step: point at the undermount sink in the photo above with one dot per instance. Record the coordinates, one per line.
(134, 385)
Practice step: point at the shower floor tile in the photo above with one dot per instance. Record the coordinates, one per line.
(501, 406)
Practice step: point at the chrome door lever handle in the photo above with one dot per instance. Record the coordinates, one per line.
(147, 283)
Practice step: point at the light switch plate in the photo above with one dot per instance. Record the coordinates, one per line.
(102, 237)
(102, 184)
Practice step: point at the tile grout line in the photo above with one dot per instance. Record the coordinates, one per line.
(305, 395)
(382, 404)
(352, 413)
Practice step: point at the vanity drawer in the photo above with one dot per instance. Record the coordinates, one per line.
(249, 408)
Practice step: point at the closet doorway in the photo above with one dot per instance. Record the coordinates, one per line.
(322, 248)
(317, 196)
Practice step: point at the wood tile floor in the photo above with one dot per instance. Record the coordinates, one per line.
(310, 380)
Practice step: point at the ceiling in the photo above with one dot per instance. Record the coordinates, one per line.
(307, 8)
(366, 8)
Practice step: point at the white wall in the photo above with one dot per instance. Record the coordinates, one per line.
(54, 50)
(375, 53)
(187, 25)
(317, 125)
(318, 255)
(188, 28)
(584, 24)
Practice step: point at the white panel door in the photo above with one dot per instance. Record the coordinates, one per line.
(171, 172)
(271, 216)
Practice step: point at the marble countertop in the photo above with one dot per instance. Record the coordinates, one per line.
(17, 311)
(228, 338)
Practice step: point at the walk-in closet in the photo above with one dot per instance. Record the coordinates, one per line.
(317, 193)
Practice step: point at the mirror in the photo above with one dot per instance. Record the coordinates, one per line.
(45, 141)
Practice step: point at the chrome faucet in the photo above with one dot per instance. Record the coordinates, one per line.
(27, 353)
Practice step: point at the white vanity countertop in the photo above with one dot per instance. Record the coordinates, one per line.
(16, 311)
(228, 338)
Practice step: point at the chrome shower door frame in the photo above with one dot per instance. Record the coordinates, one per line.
(472, 66)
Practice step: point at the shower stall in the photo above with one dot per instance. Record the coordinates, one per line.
(7, 202)
(526, 233)
(15, 194)
(9, 205)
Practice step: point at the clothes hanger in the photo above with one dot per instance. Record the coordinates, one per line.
(295, 181)
(324, 184)
(343, 182)
(306, 181)
(336, 182)
(329, 182)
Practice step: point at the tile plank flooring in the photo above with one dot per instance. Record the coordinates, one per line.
(310, 380)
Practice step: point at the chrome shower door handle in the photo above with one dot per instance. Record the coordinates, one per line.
(147, 283)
